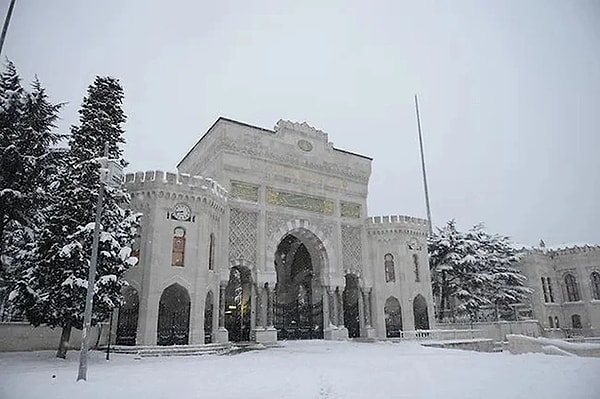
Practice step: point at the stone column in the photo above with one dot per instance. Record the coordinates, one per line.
(336, 317)
(253, 305)
(222, 334)
(325, 295)
(340, 295)
(367, 306)
(361, 314)
(270, 306)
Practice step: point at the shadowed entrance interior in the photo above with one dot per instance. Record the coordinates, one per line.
(298, 303)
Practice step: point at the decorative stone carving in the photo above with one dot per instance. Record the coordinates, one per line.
(242, 235)
(276, 220)
(351, 248)
(299, 201)
(414, 244)
(244, 191)
(305, 145)
(350, 209)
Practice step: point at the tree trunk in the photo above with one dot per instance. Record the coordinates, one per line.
(64, 342)
(443, 297)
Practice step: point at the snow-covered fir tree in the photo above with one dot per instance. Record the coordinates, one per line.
(52, 289)
(27, 166)
(472, 270)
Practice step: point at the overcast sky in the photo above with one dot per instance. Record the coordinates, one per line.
(509, 92)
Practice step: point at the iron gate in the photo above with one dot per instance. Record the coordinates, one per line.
(299, 321)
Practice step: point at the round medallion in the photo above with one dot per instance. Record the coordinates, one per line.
(305, 145)
(182, 212)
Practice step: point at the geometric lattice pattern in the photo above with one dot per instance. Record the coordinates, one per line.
(242, 235)
(351, 248)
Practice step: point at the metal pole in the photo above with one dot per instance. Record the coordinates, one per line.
(109, 335)
(6, 22)
(423, 167)
(89, 299)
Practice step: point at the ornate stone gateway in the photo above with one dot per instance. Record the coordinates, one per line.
(173, 316)
(298, 304)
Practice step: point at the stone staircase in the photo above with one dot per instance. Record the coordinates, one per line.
(175, 350)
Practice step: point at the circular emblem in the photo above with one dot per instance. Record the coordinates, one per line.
(182, 212)
(305, 145)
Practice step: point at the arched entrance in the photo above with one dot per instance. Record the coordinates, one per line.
(208, 318)
(173, 316)
(420, 313)
(298, 306)
(393, 318)
(128, 317)
(351, 312)
(237, 304)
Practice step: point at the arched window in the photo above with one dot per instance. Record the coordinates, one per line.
(595, 277)
(416, 262)
(390, 274)
(544, 289)
(572, 290)
(178, 253)
(576, 321)
(550, 322)
(137, 244)
(550, 294)
(211, 252)
(556, 322)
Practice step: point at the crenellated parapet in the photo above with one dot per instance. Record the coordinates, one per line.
(568, 250)
(393, 224)
(177, 186)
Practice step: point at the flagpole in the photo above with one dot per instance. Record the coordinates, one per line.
(6, 22)
(423, 167)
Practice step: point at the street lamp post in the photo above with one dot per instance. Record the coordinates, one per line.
(111, 173)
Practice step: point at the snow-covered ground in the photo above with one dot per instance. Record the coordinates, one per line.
(308, 369)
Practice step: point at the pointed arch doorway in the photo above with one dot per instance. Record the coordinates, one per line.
(173, 316)
(298, 305)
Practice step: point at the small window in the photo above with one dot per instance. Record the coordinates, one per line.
(211, 252)
(178, 253)
(544, 289)
(390, 274)
(576, 320)
(416, 262)
(595, 277)
(572, 289)
(550, 322)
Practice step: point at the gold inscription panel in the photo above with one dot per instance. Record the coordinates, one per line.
(299, 201)
(244, 191)
(350, 209)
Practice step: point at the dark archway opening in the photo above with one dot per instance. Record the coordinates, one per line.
(393, 318)
(208, 318)
(351, 312)
(298, 307)
(128, 318)
(237, 304)
(173, 316)
(420, 313)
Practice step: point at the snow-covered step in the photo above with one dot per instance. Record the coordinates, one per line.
(174, 350)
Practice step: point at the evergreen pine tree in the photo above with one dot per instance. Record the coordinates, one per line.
(53, 288)
(472, 270)
(27, 166)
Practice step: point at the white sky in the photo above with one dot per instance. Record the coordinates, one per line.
(509, 92)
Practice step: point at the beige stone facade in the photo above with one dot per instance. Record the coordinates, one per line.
(566, 288)
(264, 235)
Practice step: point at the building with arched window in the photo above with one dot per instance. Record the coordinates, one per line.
(264, 235)
(566, 288)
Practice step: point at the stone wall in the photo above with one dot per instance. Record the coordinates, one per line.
(24, 337)
(498, 331)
